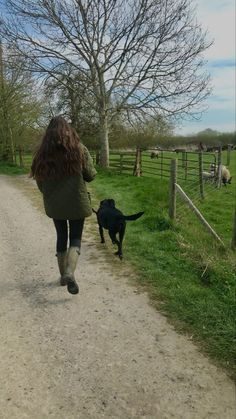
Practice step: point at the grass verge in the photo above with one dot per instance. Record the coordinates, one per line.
(189, 277)
(12, 169)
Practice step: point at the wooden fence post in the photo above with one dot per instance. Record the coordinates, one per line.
(219, 180)
(201, 174)
(233, 243)
(121, 163)
(137, 164)
(21, 156)
(199, 215)
(228, 154)
(15, 155)
(140, 162)
(186, 166)
(172, 196)
(161, 164)
(96, 158)
(6, 153)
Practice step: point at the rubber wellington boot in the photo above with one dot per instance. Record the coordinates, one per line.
(62, 265)
(72, 260)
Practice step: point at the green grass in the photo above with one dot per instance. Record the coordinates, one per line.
(12, 169)
(7, 168)
(189, 276)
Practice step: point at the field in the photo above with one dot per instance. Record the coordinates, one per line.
(218, 205)
(188, 275)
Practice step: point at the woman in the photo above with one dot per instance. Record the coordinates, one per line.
(61, 166)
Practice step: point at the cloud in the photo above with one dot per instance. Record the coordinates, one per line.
(216, 119)
(212, 5)
(218, 17)
(228, 62)
(220, 115)
(223, 80)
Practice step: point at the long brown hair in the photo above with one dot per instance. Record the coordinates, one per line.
(59, 154)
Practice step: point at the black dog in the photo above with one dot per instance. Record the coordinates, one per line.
(110, 218)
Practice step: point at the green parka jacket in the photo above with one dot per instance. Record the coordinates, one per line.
(67, 198)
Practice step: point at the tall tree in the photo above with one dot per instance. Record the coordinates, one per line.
(20, 109)
(70, 95)
(138, 56)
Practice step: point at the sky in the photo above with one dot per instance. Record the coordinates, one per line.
(218, 17)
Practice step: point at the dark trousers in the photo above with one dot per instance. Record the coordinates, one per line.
(75, 233)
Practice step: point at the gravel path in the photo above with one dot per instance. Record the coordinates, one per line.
(105, 353)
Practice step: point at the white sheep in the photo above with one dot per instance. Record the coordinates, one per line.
(207, 176)
(225, 173)
(154, 154)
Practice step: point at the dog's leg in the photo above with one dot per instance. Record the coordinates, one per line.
(119, 243)
(121, 237)
(101, 234)
(115, 241)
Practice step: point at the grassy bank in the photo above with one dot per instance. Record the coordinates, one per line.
(12, 169)
(188, 275)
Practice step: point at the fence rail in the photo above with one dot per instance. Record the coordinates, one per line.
(13, 155)
(156, 163)
(175, 188)
(190, 171)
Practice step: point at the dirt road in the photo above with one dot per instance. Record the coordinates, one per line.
(105, 353)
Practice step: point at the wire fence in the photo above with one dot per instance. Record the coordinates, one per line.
(196, 167)
(14, 154)
(197, 176)
(218, 206)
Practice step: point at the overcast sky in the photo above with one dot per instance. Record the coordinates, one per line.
(218, 17)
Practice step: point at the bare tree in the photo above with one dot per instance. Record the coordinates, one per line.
(71, 96)
(138, 56)
(20, 105)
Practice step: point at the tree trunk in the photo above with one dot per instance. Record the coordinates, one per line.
(97, 157)
(104, 142)
(12, 147)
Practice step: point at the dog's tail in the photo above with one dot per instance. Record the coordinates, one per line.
(94, 211)
(133, 217)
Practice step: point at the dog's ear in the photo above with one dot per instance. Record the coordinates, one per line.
(112, 203)
(102, 202)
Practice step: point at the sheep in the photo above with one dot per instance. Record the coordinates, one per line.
(154, 154)
(212, 149)
(225, 173)
(180, 150)
(208, 176)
